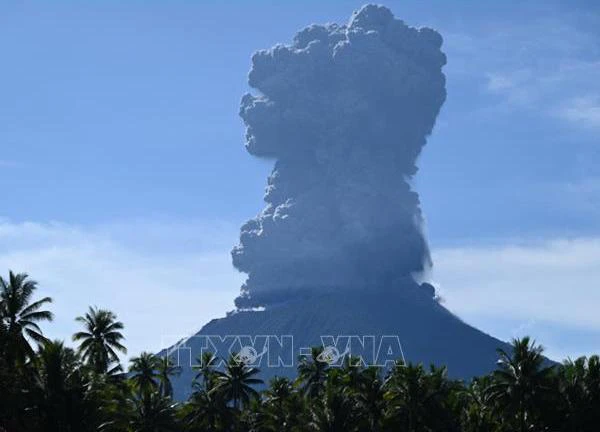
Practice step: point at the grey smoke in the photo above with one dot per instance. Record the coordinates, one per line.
(344, 111)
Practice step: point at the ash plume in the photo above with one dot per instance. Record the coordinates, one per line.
(344, 111)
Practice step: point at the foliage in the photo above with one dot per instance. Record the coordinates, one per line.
(100, 340)
(20, 317)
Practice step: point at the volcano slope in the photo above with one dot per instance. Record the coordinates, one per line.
(427, 332)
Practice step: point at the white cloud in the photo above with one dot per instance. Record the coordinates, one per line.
(582, 111)
(568, 90)
(547, 65)
(554, 281)
(160, 292)
(511, 289)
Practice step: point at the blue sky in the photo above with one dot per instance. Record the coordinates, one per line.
(124, 173)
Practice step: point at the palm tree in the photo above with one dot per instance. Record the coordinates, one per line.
(166, 369)
(58, 394)
(144, 373)
(283, 407)
(477, 407)
(153, 413)
(370, 397)
(520, 382)
(279, 391)
(312, 373)
(592, 389)
(207, 411)
(19, 317)
(111, 398)
(235, 383)
(206, 369)
(100, 340)
(335, 411)
(417, 400)
(579, 385)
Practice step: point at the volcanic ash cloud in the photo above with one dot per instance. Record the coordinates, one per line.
(344, 111)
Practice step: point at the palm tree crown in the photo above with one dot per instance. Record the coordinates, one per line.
(520, 381)
(312, 372)
(166, 369)
(19, 317)
(235, 383)
(101, 339)
(206, 369)
(144, 373)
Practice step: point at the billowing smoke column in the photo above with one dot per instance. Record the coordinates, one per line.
(345, 112)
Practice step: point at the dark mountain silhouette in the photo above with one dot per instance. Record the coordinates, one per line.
(428, 332)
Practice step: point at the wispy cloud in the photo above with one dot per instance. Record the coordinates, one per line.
(570, 92)
(582, 110)
(513, 288)
(159, 288)
(549, 65)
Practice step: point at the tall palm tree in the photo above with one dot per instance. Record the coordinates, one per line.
(19, 317)
(58, 396)
(520, 382)
(312, 372)
(165, 370)
(206, 369)
(144, 373)
(101, 339)
(235, 383)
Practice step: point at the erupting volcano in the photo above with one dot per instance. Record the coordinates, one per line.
(344, 112)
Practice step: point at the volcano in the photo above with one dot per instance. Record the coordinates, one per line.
(333, 259)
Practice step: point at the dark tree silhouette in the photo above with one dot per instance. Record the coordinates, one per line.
(312, 372)
(166, 369)
(100, 340)
(236, 382)
(20, 316)
(521, 383)
(144, 374)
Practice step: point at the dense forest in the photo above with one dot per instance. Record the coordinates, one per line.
(46, 385)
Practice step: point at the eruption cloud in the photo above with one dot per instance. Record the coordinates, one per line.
(344, 111)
